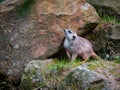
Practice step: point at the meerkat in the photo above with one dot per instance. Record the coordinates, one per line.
(77, 46)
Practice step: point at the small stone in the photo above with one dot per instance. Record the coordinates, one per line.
(16, 46)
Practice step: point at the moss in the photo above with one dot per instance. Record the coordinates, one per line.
(58, 70)
(105, 68)
(25, 8)
(95, 64)
(115, 71)
(55, 75)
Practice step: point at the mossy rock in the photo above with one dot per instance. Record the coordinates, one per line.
(93, 75)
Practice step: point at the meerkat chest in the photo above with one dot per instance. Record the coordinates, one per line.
(71, 46)
(67, 44)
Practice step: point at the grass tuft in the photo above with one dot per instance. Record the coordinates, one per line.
(64, 64)
(110, 19)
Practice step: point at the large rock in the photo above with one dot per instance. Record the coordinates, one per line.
(111, 7)
(83, 79)
(99, 37)
(114, 32)
(35, 30)
(96, 75)
(36, 74)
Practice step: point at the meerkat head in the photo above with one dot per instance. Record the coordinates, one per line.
(70, 34)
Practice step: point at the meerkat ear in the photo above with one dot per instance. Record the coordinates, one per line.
(73, 38)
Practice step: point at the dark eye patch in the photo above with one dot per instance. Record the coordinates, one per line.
(73, 37)
(69, 31)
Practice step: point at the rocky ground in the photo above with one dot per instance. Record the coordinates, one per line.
(94, 75)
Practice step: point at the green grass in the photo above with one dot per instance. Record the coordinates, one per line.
(110, 19)
(107, 16)
(117, 59)
(64, 64)
(59, 69)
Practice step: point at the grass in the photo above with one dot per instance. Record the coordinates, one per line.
(110, 19)
(62, 67)
(55, 73)
(58, 70)
(117, 59)
(107, 15)
(64, 64)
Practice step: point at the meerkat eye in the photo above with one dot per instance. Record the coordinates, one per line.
(69, 31)
(73, 37)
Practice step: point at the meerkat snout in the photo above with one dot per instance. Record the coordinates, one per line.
(70, 35)
(67, 31)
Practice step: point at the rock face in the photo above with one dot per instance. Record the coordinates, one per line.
(93, 76)
(83, 79)
(36, 74)
(111, 7)
(99, 37)
(114, 32)
(97, 75)
(32, 29)
(105, 40)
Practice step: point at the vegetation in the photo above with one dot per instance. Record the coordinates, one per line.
(54, 75)
(63, 66)
(25, 8)
(110, 19)
(64, 63)
(107, 15)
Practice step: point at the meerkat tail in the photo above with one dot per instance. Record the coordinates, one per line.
(99, 58)
(96, 56)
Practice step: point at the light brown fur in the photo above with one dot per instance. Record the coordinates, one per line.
(78, 46)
